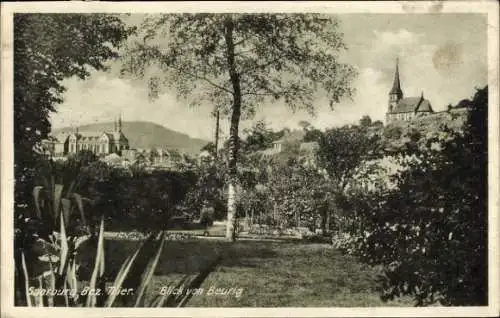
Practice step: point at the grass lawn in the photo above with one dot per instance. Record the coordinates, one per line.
(269, 274)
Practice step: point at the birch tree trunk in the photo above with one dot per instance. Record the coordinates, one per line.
(233, 130)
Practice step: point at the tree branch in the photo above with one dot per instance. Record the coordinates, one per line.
(256, 94)
(203, 78)
(242, 72)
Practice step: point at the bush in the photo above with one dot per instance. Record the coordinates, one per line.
(318, 238)
(136, 199)
(393, 132)
(206, 183)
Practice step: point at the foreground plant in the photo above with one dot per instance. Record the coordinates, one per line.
(47, 266)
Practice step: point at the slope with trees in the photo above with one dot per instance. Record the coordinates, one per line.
(430, 232)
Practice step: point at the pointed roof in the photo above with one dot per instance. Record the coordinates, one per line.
(413, 104)
(396, 86)
(120, 122)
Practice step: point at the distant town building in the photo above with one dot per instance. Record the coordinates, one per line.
(101, 143)
(205, 156)
(405, 108)
(291, 142)
(278, 145)
(311, 146)
(154, 158)
(129, 154)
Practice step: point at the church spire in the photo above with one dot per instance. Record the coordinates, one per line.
(396, 86)
(120, 123)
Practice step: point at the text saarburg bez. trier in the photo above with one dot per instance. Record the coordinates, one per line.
(83, 292)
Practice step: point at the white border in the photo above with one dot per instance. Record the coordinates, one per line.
(6, 172)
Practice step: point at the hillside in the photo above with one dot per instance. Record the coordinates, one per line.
(147, 135)
(397, 133)
(453, 120)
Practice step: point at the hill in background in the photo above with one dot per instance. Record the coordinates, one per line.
(147, 135)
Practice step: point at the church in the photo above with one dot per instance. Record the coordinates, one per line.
(100, 143)
(405, 108)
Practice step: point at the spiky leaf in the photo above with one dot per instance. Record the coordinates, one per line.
(37, 191)
(98, 271)
(148, 273)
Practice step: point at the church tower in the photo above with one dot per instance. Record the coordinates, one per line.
(396, 94)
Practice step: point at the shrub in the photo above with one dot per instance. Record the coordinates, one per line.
(136, 199)
(207, 181)
(393, 132)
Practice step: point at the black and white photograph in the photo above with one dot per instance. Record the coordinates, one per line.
(244, 157)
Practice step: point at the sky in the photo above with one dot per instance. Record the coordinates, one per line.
(443, 56)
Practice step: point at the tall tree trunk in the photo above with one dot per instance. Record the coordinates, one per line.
(217, 118)
(323, 220)
(328, 221)
(233, 130)
(251, 216)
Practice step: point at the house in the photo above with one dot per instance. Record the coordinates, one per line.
(290, 142)
(405, 108)
(309, 147)
(55, 145)
(205, 156)
(278, 145)
(101, 143)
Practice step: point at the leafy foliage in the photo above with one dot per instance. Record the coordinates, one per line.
(208, 185)
(47, 49)
(301, 196)
(128, 198)
(430, 233)
(136, 198)
(239, 61)
(365, 121)
(342, 150)
(195, 57)
(313, 135)
(392, 132)
(259, 137)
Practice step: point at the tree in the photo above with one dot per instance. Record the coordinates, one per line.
(379, 124)
(313, 135)
(393, 132)
(430, 232)
(259, 137)
(342, 150)
(47, 49)
(240, 61)
(301, 196)
(208, 186)
(365, 121)
(341, 153)
(305, 125)
(210, 147)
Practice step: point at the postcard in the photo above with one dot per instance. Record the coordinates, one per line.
(165, 159)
